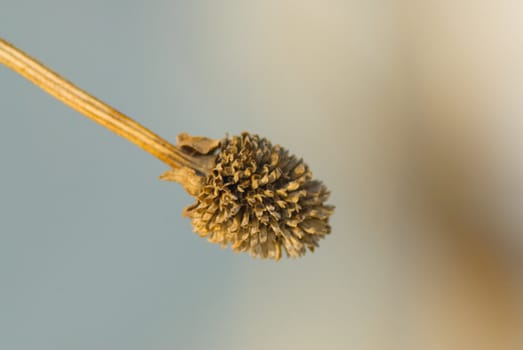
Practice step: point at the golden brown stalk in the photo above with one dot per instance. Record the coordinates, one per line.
(93, 108)
(250, 194)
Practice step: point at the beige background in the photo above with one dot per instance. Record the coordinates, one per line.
(410, 113)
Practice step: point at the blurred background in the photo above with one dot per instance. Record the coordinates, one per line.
(411, 112)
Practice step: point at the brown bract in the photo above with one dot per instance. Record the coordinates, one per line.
(257, 198)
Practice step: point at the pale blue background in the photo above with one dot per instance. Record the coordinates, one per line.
(94, 253)
(393, 103)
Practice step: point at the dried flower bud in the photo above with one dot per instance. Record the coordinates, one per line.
(250, 194)
(257, 198)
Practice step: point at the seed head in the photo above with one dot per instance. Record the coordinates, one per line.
(257, 198)
(249, 194)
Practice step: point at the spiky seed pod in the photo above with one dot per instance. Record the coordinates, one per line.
(251, 194)
(257, 198)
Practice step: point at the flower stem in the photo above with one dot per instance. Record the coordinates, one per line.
(91, 107)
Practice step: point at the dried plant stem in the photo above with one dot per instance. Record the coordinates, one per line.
(250, 194)
(91, 107)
